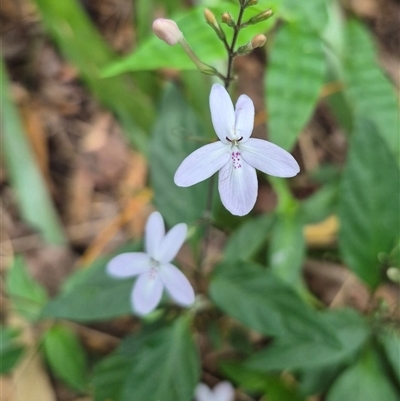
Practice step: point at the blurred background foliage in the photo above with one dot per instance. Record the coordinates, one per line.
(299, 300)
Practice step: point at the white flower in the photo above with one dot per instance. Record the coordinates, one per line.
(153, 267)
(222, 392)
(235, 155)
(167, 30)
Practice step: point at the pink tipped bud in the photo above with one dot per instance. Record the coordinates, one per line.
(167, 30)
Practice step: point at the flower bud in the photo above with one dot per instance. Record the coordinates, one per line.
(258, 41)
(210, 17)
(212, 21)
(227, 19)
(252, 2)
(167, 30)
(260, 17)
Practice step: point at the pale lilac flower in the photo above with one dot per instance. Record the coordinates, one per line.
(153, 267)
(167, 30)
(223, 391)
(235, 155)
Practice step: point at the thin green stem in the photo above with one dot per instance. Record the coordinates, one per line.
(227, 81)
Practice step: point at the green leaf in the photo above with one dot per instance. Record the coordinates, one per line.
(10, 350)
(390, 341)
(176, 134)
(68, 24)
(166, 367)
(287, 247)
(89, 289)
(260, 300)
(369, 203)
(320, 205)
(109, 377)
(293, 82)
(65, 356)
(28, 296)
(274, 387)
(368, 89)
(291, 353)
(248, 239)
(365, 381)
(312, 13)
(26, 179)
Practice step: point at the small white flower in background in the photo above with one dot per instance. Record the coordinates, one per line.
(153, 267)
(167, 30)
(223, 391)
(235, 155)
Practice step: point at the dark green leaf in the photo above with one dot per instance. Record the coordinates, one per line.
(65, 356)
(247, 240)
(294, 79)
(364, 381)
(274, 387)
(369, 203)
(297, 354)
(10, 350)
(28, 296)
(109, 377)
(165, 367)
(311, 13)
(287, 247)
(176, 134)
(320, 205)
(390, 341)
(369, 91)
(260, 300)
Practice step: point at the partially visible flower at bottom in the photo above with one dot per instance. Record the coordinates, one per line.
(153, 267)
(223, 391)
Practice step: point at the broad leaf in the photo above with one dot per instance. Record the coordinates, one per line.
(166, 366)
(263, 302)
(311, 13)
(66, 356)
(109, 377)
(390, 341)
(365, 381)
(247, 240)
(294, 79)
(369, 91)
(176, 134)
(286, 251)
(301, 353)
(369, 203)
(10, 349)
(28, 296)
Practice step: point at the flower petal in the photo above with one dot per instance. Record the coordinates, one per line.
(171, 243)
(203, 393)
(202, 164)
(222, 113)
(224, 391)
(155, 231)
(146, 292)
(177, 285)
(269, 158)
(237, 184)
(244, 118)
(128, 264)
